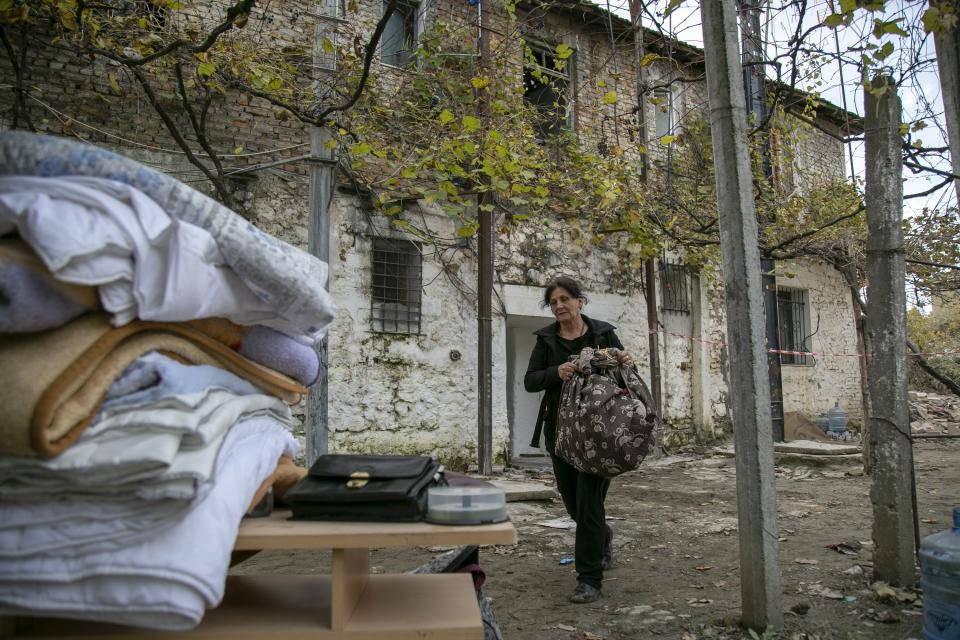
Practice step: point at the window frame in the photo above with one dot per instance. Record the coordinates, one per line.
(413, 28)
(544, 52)
(675, 279)
(797, 301)
(405, 282)
(323, 61)
(338, 5)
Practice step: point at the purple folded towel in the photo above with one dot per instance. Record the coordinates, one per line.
(29, 303)
(281, 353)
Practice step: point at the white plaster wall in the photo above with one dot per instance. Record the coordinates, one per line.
(814, 388)
(404, 393)
(714, 340)
(676, 356)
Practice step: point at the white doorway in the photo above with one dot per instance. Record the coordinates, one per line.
(522, 407)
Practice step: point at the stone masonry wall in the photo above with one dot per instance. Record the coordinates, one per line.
(411, 393)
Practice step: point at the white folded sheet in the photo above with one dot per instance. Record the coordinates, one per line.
(169, 579)
(150, 453)
(145, 263)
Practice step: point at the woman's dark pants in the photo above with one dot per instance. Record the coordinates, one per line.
(583, 495)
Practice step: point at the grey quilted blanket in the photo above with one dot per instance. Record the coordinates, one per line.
(287, 278)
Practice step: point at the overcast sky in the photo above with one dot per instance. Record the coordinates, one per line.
(921, 98)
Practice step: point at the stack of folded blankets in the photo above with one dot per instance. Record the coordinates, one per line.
(151, 341)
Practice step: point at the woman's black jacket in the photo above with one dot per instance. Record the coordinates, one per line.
(548, 354)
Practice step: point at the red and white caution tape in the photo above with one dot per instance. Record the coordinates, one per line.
(819, 354)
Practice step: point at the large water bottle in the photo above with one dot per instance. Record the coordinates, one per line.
(940, 563)
(836, 420)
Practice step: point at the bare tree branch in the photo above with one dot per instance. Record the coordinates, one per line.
(939, 376)
(20, 104)
(237, 11)
(198, 125)
(222, 191)
(810, 232)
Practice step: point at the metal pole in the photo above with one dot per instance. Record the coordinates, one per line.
(649, 266)
(484, 288)
(323, 166)
(653, 326)
(760, 584)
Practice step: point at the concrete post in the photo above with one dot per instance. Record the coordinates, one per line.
(947, 43)
(323, 166)
(890, 447)
(749, 386)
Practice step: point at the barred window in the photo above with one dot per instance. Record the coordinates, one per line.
(792, 312)
(674, 287)
(397, 286)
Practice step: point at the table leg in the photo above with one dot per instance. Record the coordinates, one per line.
(348, 579)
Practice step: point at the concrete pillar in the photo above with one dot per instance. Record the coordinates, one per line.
(323, 166)
(749, 387)
(886, 329)
(947, 43)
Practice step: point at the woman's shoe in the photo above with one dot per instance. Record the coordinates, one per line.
(585, 593)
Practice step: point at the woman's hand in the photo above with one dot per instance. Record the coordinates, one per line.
(625, 359)
(566, 370)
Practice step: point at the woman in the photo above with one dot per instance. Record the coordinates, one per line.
(583, 493)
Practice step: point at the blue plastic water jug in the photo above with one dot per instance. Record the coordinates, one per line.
(837, 419)
(940, 563)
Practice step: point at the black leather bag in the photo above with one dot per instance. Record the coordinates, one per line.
(365, 488)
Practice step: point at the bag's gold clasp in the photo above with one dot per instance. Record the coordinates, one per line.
(358, 480)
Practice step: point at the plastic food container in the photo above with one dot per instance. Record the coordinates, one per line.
(466, 505)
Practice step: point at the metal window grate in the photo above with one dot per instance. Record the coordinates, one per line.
(674, 287)
(792, 312)
(397, 286)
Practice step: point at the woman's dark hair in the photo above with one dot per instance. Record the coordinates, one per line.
(572, 287)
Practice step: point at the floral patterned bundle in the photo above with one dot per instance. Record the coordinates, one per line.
(607, 420)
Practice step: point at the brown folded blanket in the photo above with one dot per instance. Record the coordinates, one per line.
(52, 383)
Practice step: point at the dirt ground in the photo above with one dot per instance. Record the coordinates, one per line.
(676, 555)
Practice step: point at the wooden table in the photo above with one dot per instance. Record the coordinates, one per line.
(350, 603)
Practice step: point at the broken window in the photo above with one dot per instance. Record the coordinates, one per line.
(397, 286)
(546, 87)
(325, 48)
(674, 287)
(662, 101)
(399, 39)
(794, 322)
(330, 8)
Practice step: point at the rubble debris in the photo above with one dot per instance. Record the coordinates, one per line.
(932, 413)
(852, 548)
(800, 609)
